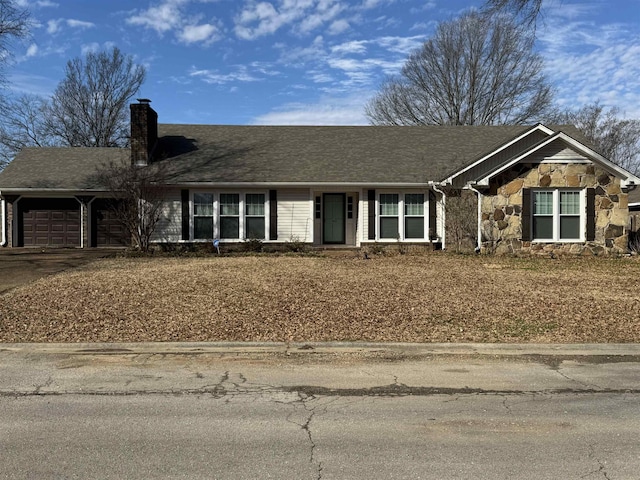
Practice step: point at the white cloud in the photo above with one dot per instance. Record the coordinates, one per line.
(401, 45)
(215, 77)
(588, 61)
(347, 110)
(90, 48)
(32, 51)
(171, 16)
(38, 4)
(339, 26)
(205, 33)
(55, 25)
(79, 24)
(258, 19)
(369, 4)
(161, 18)
(353, 47)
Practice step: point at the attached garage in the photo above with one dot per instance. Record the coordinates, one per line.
(107, 229)
(49, 222)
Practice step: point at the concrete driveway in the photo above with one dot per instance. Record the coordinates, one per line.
(23, 265)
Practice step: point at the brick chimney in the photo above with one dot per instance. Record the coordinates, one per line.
(144, 132)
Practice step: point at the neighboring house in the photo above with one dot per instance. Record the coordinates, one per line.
(539, 188)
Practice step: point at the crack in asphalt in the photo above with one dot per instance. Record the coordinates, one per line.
(219, 390)
(601, 465)
(557, 369)
(401, 390)
(310, 412)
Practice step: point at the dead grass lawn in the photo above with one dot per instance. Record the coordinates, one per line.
(431, 298)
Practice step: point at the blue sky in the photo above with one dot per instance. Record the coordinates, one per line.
(308, 61)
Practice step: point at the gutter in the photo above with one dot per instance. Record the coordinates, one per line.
(444, 213)
(479, 241)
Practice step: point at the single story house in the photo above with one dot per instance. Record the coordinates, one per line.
(535, 188)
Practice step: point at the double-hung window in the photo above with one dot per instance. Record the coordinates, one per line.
(202, 216)
(414, 215)
(254, 216)
(229, 215)
(557, 215)
(389, 224)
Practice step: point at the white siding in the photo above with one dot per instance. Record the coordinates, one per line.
(169, 227)
(364, 205)
(295, 220)
(557, 151)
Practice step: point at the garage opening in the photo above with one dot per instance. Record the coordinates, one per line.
(107, 229)
(49, 222)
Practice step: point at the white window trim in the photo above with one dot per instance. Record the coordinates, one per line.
(401, 217)
(217, 216)
(556, 215)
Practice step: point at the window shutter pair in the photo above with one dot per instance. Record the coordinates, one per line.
(273, 215)
(527, 233)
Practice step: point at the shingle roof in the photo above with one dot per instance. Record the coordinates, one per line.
(69, 168)
(283, 154)
(366, 154)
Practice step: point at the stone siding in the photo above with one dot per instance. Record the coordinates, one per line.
(502, 209)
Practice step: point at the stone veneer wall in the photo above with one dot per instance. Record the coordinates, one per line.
(502, 209)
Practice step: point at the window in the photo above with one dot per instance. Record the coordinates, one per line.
(414, 215)
(254, 216)
(569, 215)
(557, 215)
(202, 216)
(389, 216)
(229, 215)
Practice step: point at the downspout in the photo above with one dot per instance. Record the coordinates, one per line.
(479, 242)
(81, 224)
(3, 207)
(444, 217)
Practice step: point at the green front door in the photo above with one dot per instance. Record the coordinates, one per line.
(333, 218)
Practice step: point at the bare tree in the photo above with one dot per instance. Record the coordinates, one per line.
(137, 198)
(616, 138)
(476, 70)
(89, 107)
(528, 11)
(23, 125)
(14, 25)
(462, 219)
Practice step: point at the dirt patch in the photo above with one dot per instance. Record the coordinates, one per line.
(430, 298)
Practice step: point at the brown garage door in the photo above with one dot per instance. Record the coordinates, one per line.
(108, 230)
(51, 222)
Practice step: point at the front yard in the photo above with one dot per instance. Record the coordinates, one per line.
(431, 298)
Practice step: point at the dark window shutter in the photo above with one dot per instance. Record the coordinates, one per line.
(371, 198)
(273, 214)
(432, 215)
(185, 214)
(591, 214)
(526, 215)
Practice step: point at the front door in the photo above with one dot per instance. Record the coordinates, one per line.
(333, 218)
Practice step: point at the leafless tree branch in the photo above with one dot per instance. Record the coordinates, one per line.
(616, 138)
(476, 70)
(89, 107)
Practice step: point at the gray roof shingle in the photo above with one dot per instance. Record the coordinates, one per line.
(59, 168)
(274, 154)
(367, 154)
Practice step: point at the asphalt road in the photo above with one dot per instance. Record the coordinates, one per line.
(298, 412)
